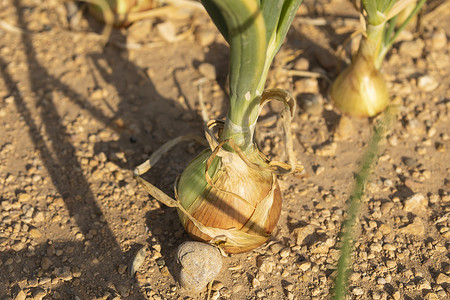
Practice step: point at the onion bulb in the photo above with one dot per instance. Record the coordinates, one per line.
(242, 204)
(227, 196)
(360, 90)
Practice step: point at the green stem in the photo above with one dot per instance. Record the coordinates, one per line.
(246, 34)
(348, 228)
(241, 135)
(375, 35)
(255, 30)
(387, 45)
(387, 36)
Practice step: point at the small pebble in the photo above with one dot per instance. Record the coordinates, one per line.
(415, 128)
(46, 263)
(275, 248)
(443, 279)
(44, 280)
(393, 140)
(290, 296)
(358, 291)
(427, 83)
(18, 246)
(431, 131)
(423, 285)
(285, 252)
(167, 31)
(416, 204)
(6, 205)
(205, 37)
(303, 234)
(376, 295)
(39, 293)
(33, 282)
(121, 269)
(391, 264)
(20, 295)
(412, 49)
(255, 282)
(396, 295)
(311, 103)
(208, 70)
(432, 296)
(289, 287)
(438, 40)
(217, 285)
(137, 261)
(35, 233)
(39, 217)
(265, 264)
(323, 247)
(389, 247)
(23, 197)
(260, 294)
(304, 266)
(319, 170)
(307, 86)
(355, 276)
(301, 64)
(215, 295)
(386, 207)
(345, 129)
(327, 149)
(417, 228)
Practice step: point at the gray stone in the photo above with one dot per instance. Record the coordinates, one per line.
(200, 264)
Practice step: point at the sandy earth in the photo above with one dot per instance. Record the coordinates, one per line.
(77, 117)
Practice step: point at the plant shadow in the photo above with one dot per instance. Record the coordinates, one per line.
(96, 257)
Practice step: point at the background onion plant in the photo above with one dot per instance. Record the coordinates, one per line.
(360, 89)
(124, 11)
(229, 194)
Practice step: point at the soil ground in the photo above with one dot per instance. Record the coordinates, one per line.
(76, 117)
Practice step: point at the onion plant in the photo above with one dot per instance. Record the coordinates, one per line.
(360, 89)
(229, 194)
(124, 11)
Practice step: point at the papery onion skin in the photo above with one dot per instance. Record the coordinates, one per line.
(360, 90)
(217, 209)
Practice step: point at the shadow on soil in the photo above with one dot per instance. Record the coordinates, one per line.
(99, 256)
(140, 120)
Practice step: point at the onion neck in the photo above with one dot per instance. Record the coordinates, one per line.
(373, 42)
(244, 110)
(241, 134)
